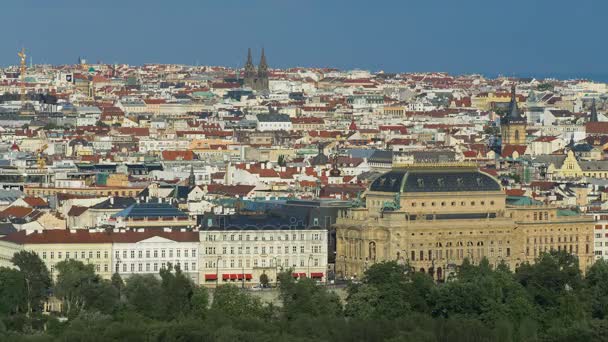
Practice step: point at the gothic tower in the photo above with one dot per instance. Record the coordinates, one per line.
(256, 80)
(513, 125)
(263, 72)
(249, 70)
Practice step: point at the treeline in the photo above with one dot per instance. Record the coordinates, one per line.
(550, 300)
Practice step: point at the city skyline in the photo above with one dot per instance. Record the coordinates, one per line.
(517, 40)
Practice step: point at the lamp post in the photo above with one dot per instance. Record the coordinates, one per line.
(276, 271)
(242, 275)
(309, 258)
(217, 271)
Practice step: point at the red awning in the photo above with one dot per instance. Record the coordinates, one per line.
(240, 276)
(210, 276)
(233, 276)
(248, 276)
(225, 276)
(295, 275)
(302, 275)
(316, 275)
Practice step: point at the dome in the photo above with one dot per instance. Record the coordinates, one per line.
(435, 180)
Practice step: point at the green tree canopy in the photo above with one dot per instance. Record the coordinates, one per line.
(38, 281)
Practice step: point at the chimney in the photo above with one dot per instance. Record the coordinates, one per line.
(247, 166)
(111, 200)
(263, 166)
(72, 231)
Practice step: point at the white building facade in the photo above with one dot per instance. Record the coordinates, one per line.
(241, 256)
(149, 252)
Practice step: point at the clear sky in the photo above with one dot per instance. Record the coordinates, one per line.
(512, 37)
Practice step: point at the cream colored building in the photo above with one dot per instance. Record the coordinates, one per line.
(54, 246)
(435, 217)
(241, 256)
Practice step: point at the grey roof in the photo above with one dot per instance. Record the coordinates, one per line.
(435, 180)
(273, 118)
(381, 156)
(548, 159)
(7, 228)
(433, 156)
(594, 165)
(150, 210)
(10, 195)
(114, 203)
(319, 159)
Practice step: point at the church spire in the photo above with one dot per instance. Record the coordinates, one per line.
(249, 59)
(263, 67)
(191, 178)
(513, 114)
(593, 115)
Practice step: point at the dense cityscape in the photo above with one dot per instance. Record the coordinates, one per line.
(176, 202)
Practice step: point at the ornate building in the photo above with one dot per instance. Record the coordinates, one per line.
(434, 217)
(513, 125)
(256, 80)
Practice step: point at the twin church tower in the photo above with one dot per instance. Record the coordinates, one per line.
(256, 79)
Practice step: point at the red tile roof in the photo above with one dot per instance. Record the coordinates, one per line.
(53, 236)
(16, 212)
(178, 155)
(35, 202)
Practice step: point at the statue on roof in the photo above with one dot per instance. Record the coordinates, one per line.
(393, 205)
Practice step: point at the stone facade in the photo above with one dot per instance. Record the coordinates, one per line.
(434, 231)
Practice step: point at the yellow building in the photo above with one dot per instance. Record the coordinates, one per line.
(434, 217)
(484, 101)
(57, 245)
(394, 111)
(123, 191)
(572, 168)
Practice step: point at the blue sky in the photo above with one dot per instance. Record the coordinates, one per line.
(513, 37)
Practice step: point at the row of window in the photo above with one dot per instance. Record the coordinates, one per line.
(569, 248)
(164, 253)
(152, 267)
(547, 239)
(75, 255)
(458, 254)
(238, 263)
(247, 237)
(261, 250)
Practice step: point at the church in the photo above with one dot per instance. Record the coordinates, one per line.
(256, 79)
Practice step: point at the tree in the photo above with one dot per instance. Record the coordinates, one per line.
(232, 302)
(200, 302)
(144, 295)
(596, 284)
(80, 288)
(177, 290)
(305, 298)
(281, 160)
(37, 279)
(118, 283)
(13, 291)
